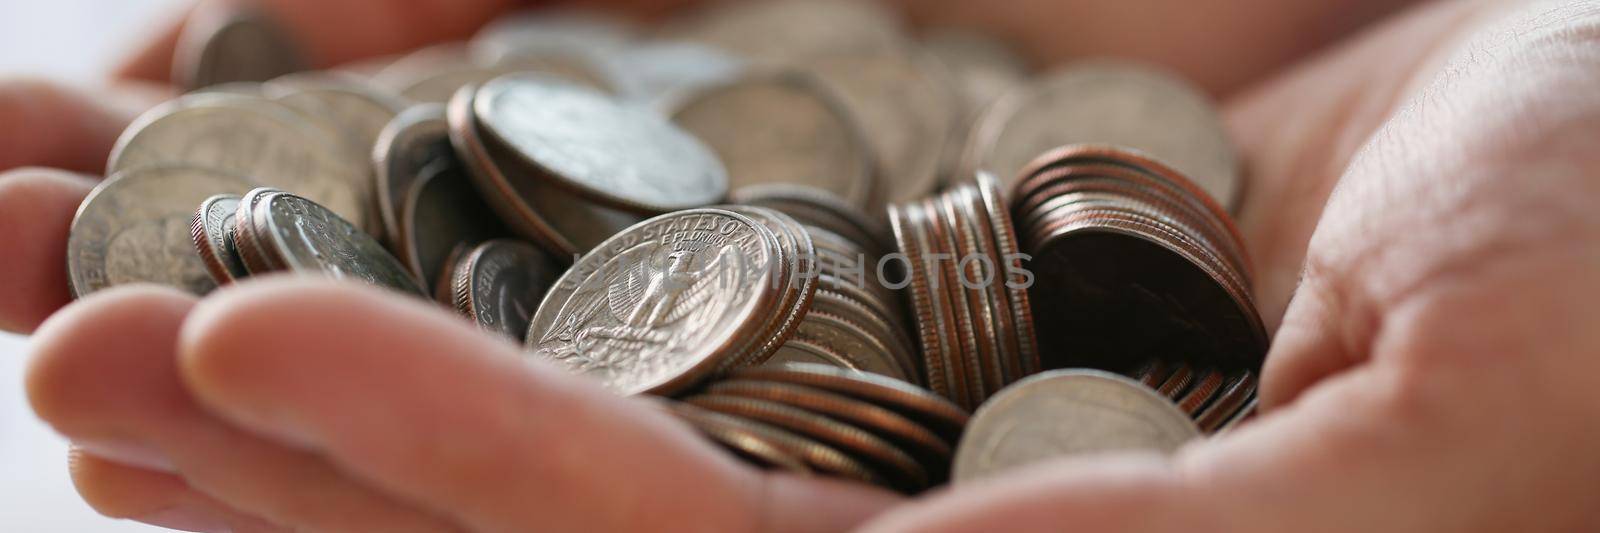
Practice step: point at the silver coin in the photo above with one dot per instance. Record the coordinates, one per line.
(499, 285)
(781, 128)
(359, 110)
(135, 227)
(307, 238)
(416, 139)
(223, 43)
(787, 31)
(1121, 104)
(252, 137)
(663, 304)
(1065, 413)
(210, 233)
(908, 110)
(442, 210)
(624, 156)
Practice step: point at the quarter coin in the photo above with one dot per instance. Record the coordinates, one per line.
(297, 235)
(209, 231)
(1064, 413)
(135, 228)
(499, 284)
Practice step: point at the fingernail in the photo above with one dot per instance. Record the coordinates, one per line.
(186, 519)
(127, 452)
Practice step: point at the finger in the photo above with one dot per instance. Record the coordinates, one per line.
(47, 124)
(36, 208)
(383, 384)
(160, 499)
(331, 32)
(105, 375)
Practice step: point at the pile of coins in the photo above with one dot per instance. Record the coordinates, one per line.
(785, 218)
(818, 418)
(1133, 261)
(968, 291)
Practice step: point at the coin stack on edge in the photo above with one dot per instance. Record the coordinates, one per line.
(967, 291)
(1135, 263)
(810, 418)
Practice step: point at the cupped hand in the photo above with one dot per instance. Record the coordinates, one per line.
(1429, 373)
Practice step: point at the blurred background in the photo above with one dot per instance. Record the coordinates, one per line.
(76, 41)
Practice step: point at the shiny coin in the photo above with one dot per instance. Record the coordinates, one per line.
(253, 137)
(1066, 413)
(916, 403)
(781, 128)
(1121, 104)
(222, 43)
(663, 304)
(211, 239)
(585, 141)
(286, 232)
(499, 284)
(135, 228)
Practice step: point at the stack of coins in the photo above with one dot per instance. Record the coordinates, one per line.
(1132, 261)
(567, 167)
(818, 208)
(498, 284)
(275, 231)
(1215, 399)
(968, 291)
(820, 419)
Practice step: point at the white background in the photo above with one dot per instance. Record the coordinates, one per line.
(74, 41)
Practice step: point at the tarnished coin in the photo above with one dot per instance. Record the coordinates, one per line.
(623, 156)
(781, 128)
(819, 457)
(908, 110)
(499, 284)
(916, 403)
(416, 139)
(1235, 400)
(248, 136)
(442, 210)
(890, 462)
(1122, 104)
(786, 31)
(297, 235)
(209, 231)
(1064, 413)
(135, 228)
(225, 42)
(662, 304)
(734, 436)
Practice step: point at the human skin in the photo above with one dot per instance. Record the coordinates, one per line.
(1420, 212)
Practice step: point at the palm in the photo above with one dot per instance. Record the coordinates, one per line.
(1431, 266)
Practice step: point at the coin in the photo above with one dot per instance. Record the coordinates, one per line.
(891, 463)
(1177, 382)
(1122, 104)
(864, 351)
(1208, 384)
(794, 244)
(661, 305)
(930, 450)
(209, 231)
(544, 29)
(442, 210)
(499, 283)
(907, 109)
(585, 141)
(650, 73)
(786, 31)
(929, 409)
(781, 128)
(248, 136)
(984, 67)
(816, 207)
(135, 228)
(415, 139)
(224, 43)
(1234, 400)
(819, 457)
(290, 233)
(1065, 413)
(359, 110)
(733, 435)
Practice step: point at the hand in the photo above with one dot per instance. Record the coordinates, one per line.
(1435, 368)
(211, 431)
